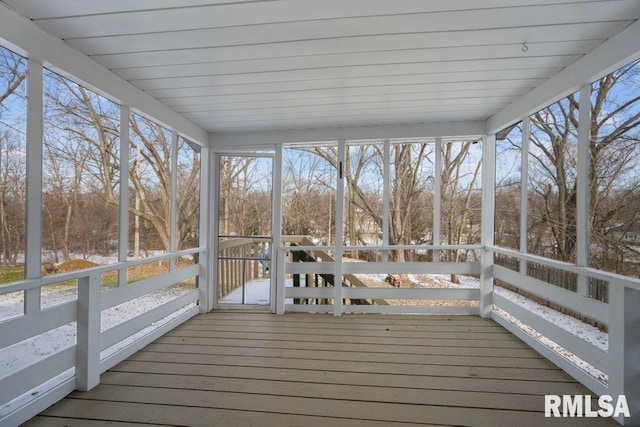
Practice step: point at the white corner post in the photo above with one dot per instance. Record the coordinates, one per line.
(488, 215)
(88, 333)
(524, 190)
(33, 226)
(205, 281)
(437, 198)
(213, 182)
(582, 190)
(123, 225)
(339, 237)
(277, 256)
(624, 348)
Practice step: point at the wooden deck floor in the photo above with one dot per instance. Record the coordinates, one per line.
(247, 368)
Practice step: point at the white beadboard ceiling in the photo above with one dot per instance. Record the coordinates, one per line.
(238, 65)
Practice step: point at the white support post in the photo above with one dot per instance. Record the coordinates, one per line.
(173, 198)
(33, 226)
(386, 196)
(524, 190)
(280, 260)
(339, 238)
(582, 197)
(214, 241)
(205, 285)
(437, 198)
(123, 225)
(278, 279)
(488, 215)
(624, 347)
(88, 333)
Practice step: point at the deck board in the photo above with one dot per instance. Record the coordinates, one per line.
(245, 368)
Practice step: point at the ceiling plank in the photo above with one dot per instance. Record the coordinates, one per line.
(398, 79)
(439, 71)
(400, 56)
(425, 106)
(38, 9)
(287, 11)
(504, 95)
(444, 90)
(376, 43)
(443, 22)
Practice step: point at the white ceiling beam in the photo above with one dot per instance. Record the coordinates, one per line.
(23, 36)
(608, 57)
(221, 141)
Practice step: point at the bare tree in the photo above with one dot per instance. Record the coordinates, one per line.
(12, 155)
(460, 197)
(615, 120)
(150, 175)
(309, 193)
(81, 149)
(188, 197)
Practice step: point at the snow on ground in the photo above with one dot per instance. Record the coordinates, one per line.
(25, 353)
(256, 292)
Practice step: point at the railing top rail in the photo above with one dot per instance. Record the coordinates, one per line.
(232, 236)
(241, 241)
(27, 284)
(381, 248)
(563, 265)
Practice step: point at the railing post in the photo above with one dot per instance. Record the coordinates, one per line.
(488, 213)
(281, 256)
(624, 347)
(88, 333)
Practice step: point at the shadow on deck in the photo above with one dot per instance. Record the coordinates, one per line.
(247, 368)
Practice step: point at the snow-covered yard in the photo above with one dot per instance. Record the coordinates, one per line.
(25, 353)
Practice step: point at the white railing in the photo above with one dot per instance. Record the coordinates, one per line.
(621, 315)
(83, 362)
(349, 270)
(620, 364)
(78, 367)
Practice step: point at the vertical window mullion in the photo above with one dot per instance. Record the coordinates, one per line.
(123, 231)
(437, 198)
(582, 190)
(339, 238)
(173, 197)
(524, 190)
(386, 197)
(33, 243)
